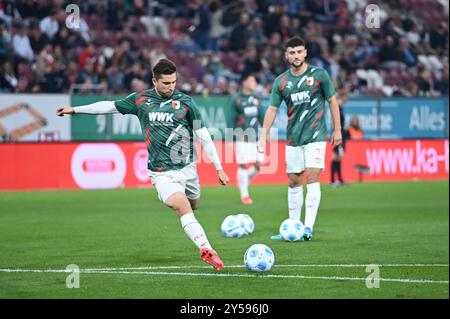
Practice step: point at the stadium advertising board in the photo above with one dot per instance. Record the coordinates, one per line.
(123, 164)
(380, 119)
(400, 118)
(31, 118)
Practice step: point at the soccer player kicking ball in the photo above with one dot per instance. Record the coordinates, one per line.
(247, 109)
(168, 120)
(304, 88)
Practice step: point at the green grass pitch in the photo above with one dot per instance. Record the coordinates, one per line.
(127, 244)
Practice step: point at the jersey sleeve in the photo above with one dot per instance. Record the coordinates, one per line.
(275, 96)
(193, 114)
(127, 105)
(327, 86)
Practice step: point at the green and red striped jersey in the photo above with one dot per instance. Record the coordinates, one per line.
(247, 111)
(305, 96)
(167, 124)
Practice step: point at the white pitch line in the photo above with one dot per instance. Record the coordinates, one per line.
(403, 280)
(364, 265)
(277, 266)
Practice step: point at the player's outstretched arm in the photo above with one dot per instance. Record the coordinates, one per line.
(269, 117)
(210, 150)
(102, 107)
(60, 111)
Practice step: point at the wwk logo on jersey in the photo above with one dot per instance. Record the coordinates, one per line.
(160, 117)
(301, 97)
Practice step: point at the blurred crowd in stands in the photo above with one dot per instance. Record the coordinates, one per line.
(111, 47)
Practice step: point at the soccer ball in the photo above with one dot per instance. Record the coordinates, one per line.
(259, 258)
(233, 226)
(291, 230)
(249, 225)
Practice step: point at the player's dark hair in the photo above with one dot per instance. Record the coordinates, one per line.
(294, 42)
(163, 66)
(245, 76)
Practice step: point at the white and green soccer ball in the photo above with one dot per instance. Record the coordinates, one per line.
(259, 258)
(233, 226)
(249, 225)
(291, 230)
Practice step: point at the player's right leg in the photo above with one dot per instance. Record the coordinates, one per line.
(171, 192)
(295, 166)
(182, 207)
(192, 189)
(294, 169)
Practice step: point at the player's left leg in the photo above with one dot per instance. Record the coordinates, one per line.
(314, 163)
(257, 158)
(253, 171)
(312, 200)
(242, 174)
(195, 203)
(242, 180)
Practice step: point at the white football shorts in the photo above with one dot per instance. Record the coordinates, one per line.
(184, 180)
(247, 152)
(311, 155)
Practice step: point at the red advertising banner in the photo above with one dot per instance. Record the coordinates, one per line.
(26, 166)
(395, 160)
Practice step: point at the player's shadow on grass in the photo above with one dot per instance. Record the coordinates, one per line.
(150, 258)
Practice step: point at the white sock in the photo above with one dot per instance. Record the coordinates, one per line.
(194, 230)
(295, 202)
(252, 171)
(312, 204)
(242, 179)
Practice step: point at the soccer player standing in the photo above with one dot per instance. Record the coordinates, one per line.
(247, 110)
(305, 88)
(169, 119)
